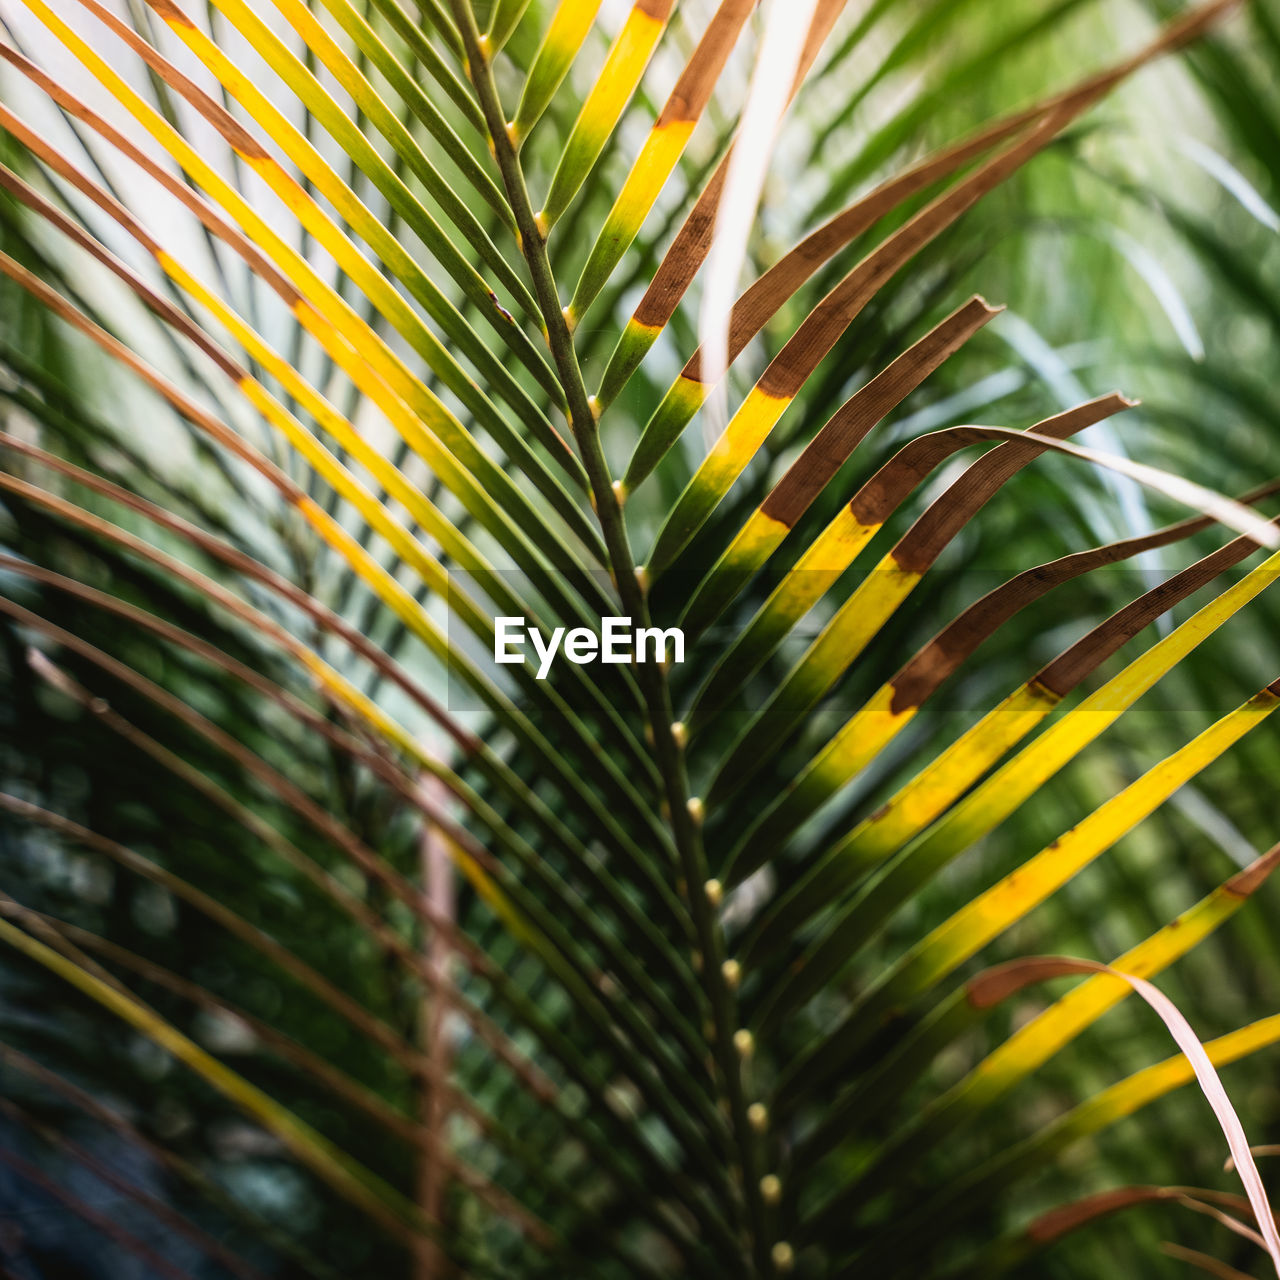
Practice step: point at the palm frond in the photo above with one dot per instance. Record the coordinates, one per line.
(385, 956)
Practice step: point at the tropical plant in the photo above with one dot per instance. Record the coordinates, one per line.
(335, 334)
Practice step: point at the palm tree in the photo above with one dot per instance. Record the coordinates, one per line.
(333, 946)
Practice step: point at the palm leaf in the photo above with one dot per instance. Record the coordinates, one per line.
(661, 968)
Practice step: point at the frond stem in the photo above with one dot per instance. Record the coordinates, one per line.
(651, 678)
